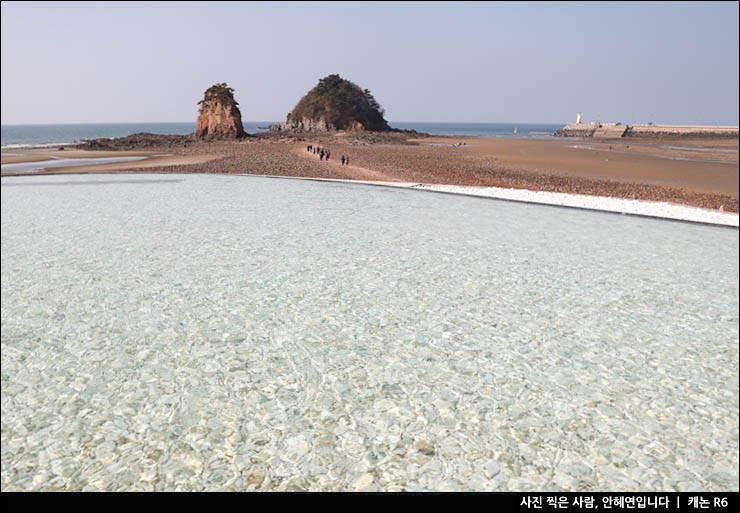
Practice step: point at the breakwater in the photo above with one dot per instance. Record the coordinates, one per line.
(614, 131)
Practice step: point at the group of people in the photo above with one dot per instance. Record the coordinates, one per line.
(321, 152)
(324, 153)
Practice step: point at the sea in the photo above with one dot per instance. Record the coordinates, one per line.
(23, 136)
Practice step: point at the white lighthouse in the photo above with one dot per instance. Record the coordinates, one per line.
(579, 117)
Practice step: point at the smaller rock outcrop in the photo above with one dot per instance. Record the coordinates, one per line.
(135, 142)
(220, 117)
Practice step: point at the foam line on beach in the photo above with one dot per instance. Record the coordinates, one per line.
(662, 210)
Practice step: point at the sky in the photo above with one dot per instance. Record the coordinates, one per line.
(487, 62)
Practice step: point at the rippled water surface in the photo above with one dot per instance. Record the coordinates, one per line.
(195, 332)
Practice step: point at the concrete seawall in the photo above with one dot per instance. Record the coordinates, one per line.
(681, 131)
(647, 131)
(576, 130)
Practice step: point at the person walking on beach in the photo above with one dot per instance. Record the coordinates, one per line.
(342, 159)
(328, 154)
(321, 155)
(346, 159)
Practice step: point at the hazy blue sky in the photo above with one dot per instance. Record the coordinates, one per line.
(424, 61)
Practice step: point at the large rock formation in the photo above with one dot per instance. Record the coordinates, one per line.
(219, 117)
(335, 104)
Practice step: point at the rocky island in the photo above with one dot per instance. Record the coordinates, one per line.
(219, 115)
(219, 119)
(335, 104)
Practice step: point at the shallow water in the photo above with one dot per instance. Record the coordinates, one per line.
(206, 332)
(29, 167)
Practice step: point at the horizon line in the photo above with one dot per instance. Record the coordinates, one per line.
(522, 123)
(265, 121)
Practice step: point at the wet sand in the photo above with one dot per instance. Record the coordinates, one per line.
(17, 156)
(624, 161)
(701, 173)
(153, 159)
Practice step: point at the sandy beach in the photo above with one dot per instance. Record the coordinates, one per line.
(701, 173)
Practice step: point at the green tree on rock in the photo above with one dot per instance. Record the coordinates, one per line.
(342, 104)
(221, 92)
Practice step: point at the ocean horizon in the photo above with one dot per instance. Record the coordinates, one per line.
(59, 134)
